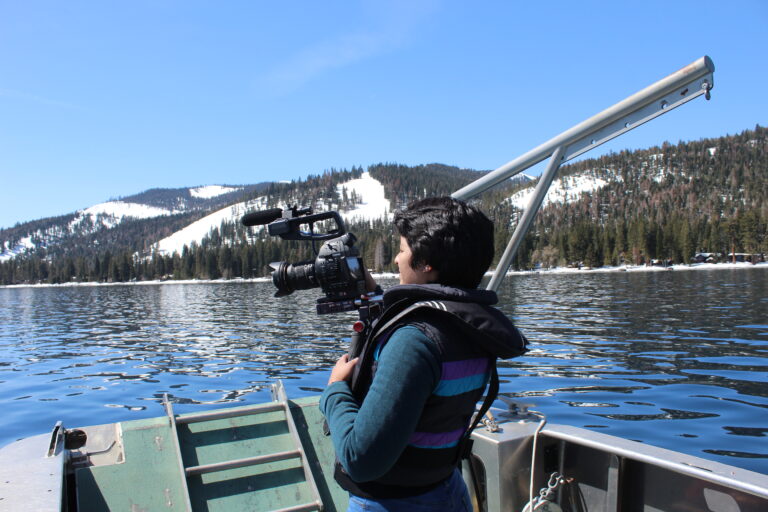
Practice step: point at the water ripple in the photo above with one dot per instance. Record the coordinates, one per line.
(665, 358)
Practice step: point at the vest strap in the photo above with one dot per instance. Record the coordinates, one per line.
(416, 305)
(379, 329)
(465, 445)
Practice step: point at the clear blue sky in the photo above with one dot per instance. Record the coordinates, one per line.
(106, 99)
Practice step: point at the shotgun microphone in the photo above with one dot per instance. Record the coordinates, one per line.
(261, 218)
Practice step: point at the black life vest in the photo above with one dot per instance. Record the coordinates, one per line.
(458, 330)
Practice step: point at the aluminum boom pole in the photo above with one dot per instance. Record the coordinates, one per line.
(527, 219)
(693, 80)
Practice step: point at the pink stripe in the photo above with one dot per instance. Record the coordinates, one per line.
(435, 438)
(465, 368)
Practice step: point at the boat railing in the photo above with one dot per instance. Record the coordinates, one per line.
(692, 81)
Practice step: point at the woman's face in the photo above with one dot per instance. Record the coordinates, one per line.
(423, 274)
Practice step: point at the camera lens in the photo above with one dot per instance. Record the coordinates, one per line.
(288, 278)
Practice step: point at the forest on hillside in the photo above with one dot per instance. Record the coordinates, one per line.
(663, 203)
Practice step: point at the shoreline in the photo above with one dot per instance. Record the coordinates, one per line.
(390, 275)
(642, 268)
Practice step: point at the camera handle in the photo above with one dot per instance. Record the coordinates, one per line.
(360, 330)
(369, 311)
(355, 344)
(287, 227)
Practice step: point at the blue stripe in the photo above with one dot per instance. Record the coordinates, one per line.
(459, 386)
(433, 447)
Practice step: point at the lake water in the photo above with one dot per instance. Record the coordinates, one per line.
(675, 359)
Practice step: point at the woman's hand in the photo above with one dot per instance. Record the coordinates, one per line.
(343, 369)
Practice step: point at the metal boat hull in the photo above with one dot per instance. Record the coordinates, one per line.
(257, 458)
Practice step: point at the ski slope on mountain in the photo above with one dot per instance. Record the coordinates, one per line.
(563, 190)
(112, 213)
(7, 252)
(210, 191)
(199, 229)
(374, 205)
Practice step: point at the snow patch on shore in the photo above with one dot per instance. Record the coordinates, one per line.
(639, 268)
(388, 275)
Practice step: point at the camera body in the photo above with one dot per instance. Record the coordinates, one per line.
(337, 270)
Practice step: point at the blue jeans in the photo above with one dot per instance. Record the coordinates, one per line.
(449, 496)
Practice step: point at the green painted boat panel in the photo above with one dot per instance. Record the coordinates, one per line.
(156, 481)
(319, 449)
(269, 486)
(151, 466)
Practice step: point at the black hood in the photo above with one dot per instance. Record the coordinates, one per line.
(487, 326)
(416, 292)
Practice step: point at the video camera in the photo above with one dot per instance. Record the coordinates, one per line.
(338, 268)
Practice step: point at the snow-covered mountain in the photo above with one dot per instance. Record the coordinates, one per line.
(370, 202)
(101, 216)
(682, 195)
(360, 199)
(153, 203)
(374, 205)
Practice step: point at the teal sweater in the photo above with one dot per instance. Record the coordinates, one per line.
(369, 437)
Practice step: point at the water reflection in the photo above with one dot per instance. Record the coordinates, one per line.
(677, 359)
(689, 348)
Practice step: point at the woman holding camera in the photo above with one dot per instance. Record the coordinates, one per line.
(398, 426)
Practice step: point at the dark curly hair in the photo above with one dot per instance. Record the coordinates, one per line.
(453, 237)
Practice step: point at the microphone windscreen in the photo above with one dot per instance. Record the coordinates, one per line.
(262, 217)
